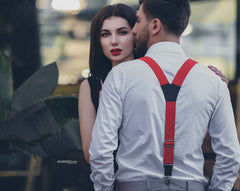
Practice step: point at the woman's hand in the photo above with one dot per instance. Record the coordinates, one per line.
(219, 73)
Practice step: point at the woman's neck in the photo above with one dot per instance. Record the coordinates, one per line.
(115, 63)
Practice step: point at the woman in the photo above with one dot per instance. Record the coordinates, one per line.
(111, 43)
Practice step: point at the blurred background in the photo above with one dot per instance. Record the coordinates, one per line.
(35, 33)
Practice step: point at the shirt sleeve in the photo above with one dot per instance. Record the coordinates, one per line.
(105, 136)
(222, 130)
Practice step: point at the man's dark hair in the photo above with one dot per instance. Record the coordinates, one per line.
(174, 14)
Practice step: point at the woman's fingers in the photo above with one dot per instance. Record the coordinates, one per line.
(219, 73)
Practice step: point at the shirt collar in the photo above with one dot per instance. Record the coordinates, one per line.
(165, 46)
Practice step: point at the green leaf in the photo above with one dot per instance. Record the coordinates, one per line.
(9, 145)
(37, 87)
(35, 114)
(56, 117)
(32, 123)
(68, 139)
(6, 84)
(63, 108)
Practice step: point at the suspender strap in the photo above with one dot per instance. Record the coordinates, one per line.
(170, 92)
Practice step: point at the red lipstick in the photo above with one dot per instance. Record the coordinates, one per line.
(116, 51)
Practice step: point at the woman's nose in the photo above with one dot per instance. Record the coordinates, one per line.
(114, 40)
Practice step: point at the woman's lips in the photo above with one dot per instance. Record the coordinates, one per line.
(116, 51)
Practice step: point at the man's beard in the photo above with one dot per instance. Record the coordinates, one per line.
(142, 45)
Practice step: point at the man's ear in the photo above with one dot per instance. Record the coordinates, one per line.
(156, 26)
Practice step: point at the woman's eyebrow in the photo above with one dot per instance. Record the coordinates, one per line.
(121, 28)
(104, 30)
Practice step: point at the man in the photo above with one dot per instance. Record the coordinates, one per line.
(132, 109)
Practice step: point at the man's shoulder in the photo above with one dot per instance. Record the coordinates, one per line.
(127, 64)
(203, 69)
(205, 74)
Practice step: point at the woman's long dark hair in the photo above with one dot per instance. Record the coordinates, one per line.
(99, 64)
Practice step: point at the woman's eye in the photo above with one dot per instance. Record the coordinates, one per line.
(104, 34)
(123, 32)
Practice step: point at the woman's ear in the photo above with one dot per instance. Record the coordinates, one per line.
(156, 26)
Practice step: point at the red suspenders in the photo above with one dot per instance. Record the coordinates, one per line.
(170, 92)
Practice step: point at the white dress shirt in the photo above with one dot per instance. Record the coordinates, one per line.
(132, 107)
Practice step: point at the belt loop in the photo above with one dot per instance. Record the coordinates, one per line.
(148, 185)
(188, 187)
(116, 186)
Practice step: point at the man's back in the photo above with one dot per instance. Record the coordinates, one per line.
(139, 107)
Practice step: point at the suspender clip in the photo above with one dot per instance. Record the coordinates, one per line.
(169, 143)
(167, 180)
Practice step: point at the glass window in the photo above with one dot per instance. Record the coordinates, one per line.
(209, 39)
(211, 35)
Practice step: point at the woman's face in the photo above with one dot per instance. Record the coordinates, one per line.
(116, 39)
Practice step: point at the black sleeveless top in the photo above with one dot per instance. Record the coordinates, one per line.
(95, 87)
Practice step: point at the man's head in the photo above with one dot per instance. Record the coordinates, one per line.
(160, 20)
(174, 14)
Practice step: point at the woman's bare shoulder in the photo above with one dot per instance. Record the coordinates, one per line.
(84, 86)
